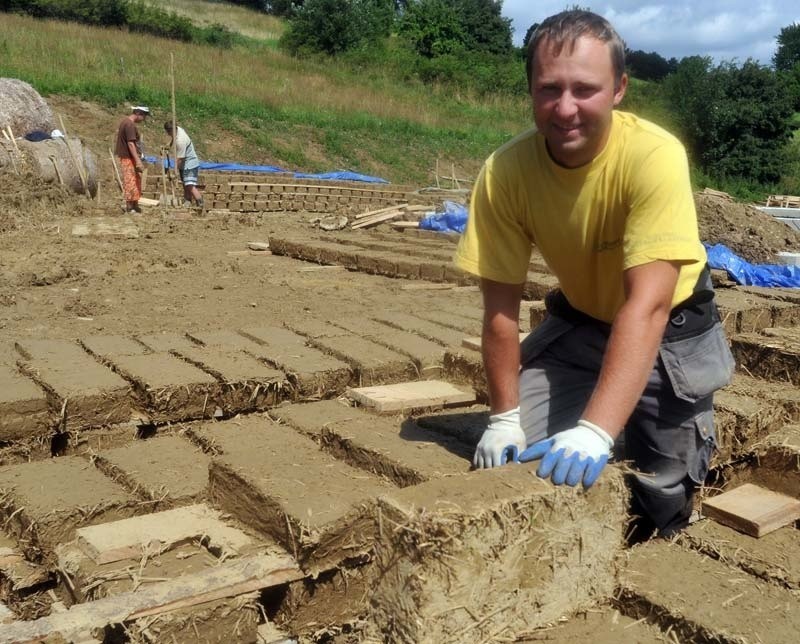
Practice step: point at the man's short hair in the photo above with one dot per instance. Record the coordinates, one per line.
(563, 30)
(168, 126)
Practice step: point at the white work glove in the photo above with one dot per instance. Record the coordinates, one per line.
(574, 455)
(504, 432)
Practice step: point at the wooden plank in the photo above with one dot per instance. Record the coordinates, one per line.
(234, 577)
(752, 509)
(404, 224)
(387, 399)
(109, 542)
(475, 342)
(363, 223)
(145, 201)
(380, 211)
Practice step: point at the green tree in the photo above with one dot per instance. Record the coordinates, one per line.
(787, 55)
(735, 120)
(335, 26)
(485, 29)
(432, 27)
(648, 66)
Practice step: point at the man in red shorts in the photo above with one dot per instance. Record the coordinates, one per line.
(128, 149)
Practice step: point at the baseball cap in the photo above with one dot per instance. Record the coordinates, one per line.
(141, 108)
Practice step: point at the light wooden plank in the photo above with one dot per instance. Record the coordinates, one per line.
(387, 399)
(404, 224)
(233, 578)
(124, 539)
(752, 509)
(380, 211)
(363, 223)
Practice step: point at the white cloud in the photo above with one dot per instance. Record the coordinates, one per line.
(723, 29)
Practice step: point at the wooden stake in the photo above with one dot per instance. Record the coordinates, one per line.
(78, 165)
(58, 172)
(174, 124)
(116, 171)
(12, 155)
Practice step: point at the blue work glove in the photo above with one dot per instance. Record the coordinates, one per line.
(575, 455)
(501, 441)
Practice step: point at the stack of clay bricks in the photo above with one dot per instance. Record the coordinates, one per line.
(284, 193)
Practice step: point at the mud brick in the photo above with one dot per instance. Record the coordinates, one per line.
(166, 468)
(537, 312)
(247, 383)
(451, 320)
(373, 363)
(465, 367)
(311, 372)
(741, 608)
(280, 483)
(467, 425)
(537, 285)
(85, 392)
(743, 312)
(786, 314)
(225, 339)
(43, 502)
(774, 356)
(23, 407)
(376, 263)
(165, 342)
(315, 328)
(740, 421)
(432, 272)
(521, 542)
(427, 356)
(103, 345)
(394, 448)
(408, 267)
(430, 330)
(779, 394)
(777, 462)
(169, 388)
(774, 557)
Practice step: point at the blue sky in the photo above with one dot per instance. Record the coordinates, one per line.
(725, 30)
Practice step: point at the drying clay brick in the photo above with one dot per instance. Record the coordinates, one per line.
(165, 468)
(492, 543)
(45, 501)
(275, 480)
(169, 388)
(23, 407)
(86, 393)
(392, 447)
(311, 372)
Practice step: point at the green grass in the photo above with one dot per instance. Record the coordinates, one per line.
(302, 114)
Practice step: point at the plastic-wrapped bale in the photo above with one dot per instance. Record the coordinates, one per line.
(493, 553)
(23, 109)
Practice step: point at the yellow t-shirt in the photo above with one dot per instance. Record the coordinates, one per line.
(631, 205)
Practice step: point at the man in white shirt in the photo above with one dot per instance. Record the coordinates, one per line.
(187, 165)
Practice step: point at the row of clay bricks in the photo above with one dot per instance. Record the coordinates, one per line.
(158, 378)
(463, 540)
(327, 482)
(397, 260)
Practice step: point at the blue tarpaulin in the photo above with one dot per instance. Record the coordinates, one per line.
(743, 272)
(339, 175)
(452, 220)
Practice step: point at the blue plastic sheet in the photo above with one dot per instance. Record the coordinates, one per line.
(452, 220)
(743, 272)
(339, 175)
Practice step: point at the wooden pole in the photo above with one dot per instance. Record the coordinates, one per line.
(58, 172)
(12, 154)
(78, 165)
(116, 171)
(174, 123)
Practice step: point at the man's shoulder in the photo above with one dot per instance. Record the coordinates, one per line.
(642, 132)
(518, 151)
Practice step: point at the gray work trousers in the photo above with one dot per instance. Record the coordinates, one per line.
(669, 438)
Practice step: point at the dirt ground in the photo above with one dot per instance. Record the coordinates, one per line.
(197, 275)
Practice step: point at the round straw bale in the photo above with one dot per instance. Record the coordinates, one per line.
(55, 162)
(23, 109)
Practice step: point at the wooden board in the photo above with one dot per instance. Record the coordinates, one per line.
(230, 579)
(752, 509)
(145, 201)
(109, 542)
(475, 342)
(100, 227)
(387, 399)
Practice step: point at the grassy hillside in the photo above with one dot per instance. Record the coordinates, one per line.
(253, 24)
(271, 108)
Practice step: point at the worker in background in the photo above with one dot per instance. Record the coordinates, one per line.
(128, 148)
(632, 346)
(187, 165)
